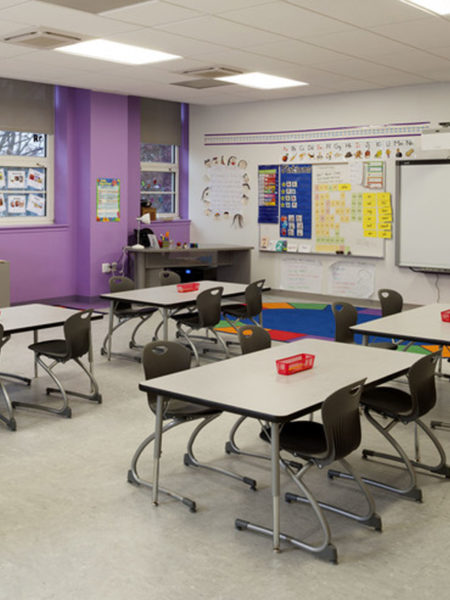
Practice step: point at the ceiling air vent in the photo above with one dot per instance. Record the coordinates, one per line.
(41, 39)
(201, 84)
(211, 72)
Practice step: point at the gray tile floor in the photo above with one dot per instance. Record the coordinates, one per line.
(71, 526)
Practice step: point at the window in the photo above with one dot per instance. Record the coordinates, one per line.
(159, 179)
(26, 178)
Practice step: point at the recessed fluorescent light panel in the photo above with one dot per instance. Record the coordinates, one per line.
(262, 81)
(115, 52)
(440, 7)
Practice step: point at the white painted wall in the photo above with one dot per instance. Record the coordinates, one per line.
(404, 104)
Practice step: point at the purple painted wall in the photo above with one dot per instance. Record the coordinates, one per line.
(96, 135)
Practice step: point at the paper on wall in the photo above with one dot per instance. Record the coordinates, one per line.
(16, 204)
(354, 280)
(301, 274)
(36, 205)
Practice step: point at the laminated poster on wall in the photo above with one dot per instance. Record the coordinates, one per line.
(228, 188)
(352, 280)
(36, 179)
(16, 204)
(2, 178)
(301, 274)
(2, 204)
(16, 179)
(36, 205)
(108, 199)
(268, 193)
(295, 201)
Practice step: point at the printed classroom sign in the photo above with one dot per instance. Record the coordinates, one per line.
(108, 199)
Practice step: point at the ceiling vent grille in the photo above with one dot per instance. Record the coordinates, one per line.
(41, 39)
(201, 84)
(211, 72)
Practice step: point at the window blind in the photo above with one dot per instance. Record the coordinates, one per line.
(160, 122)
(26, 106)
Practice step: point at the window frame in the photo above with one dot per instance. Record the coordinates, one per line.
(46, 162)
(164, 167)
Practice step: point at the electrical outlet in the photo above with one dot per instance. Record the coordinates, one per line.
(106, 268)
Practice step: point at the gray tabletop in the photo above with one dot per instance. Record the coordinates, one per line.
(30, 317)
(421, 324)
(250, 384)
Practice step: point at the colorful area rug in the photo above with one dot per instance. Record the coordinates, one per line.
(290, 321)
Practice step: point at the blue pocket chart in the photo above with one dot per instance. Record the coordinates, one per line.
(296, 201)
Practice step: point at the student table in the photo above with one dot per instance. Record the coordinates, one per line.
(167, 298)
(34, 317)
(250, 385)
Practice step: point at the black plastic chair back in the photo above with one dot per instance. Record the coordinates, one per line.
(345, 316)
(391, 302)
(253, 298)
(422, 385)
(253, 338)
(163, 358)
(168, 277)
(341, 422)
(208, 306)
(119, 283)
(77, 331)
(3, 338)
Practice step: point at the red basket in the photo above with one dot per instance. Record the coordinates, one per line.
(188, 287)
(294, 364)
(445, 316)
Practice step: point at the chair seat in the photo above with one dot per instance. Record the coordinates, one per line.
(301, 438)
(134, 311)
(188, 319)
(388, 401)
(179, 408)
(56, 349)
(235, 310)
(384, 345)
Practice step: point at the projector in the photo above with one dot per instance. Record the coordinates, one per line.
(436, 139)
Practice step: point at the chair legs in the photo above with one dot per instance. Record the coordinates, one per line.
(189, 340)
(65, 409)
(190, 459)
(132, 344)
(8, 419)
(232, 448)
(370, 518)
(410, 490)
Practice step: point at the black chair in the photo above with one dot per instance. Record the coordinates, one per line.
(391, 302)
(251, 338)
(400, 406)
(206, 316)
(75, 345)
(168, 277)
(162, 358)
(320, 444)
(345, 316)
(8, 419)
(125, 311)
(249, 310)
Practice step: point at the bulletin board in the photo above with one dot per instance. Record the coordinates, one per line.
(329, 208)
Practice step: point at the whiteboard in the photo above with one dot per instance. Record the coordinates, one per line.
(338, 204)
(423, 209)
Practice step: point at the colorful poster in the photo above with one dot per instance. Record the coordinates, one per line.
(2, 178)
(108, 199)
(16, 204)
(36, 179)
(36, 205)
(2, 203)
(295, 201)
(268, 194)
(16, 179)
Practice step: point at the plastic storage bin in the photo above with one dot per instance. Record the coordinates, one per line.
(294, 364)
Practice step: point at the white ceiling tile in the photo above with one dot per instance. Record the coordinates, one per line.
(358, 43)
(295, 51)
(58, 17)
(363, 13)
(166, 42)
(440, 75)
(9, 50)
(427, 33)
(215, 7)
(287, 20)
(8, 27)
(443, 52)
(8, 3)
(152, 14)
(423, 61)
(217, 30)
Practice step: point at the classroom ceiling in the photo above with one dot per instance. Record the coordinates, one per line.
(334, 45)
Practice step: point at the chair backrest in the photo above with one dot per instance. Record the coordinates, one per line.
(253, 297)
(120, 283)
(345, 315)
(391, 302)
(341, 422)
(422, 385)
(77, 331)
(162, 358)
(167, 277)
(253, 338)
(208, 306)
(3, 338)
